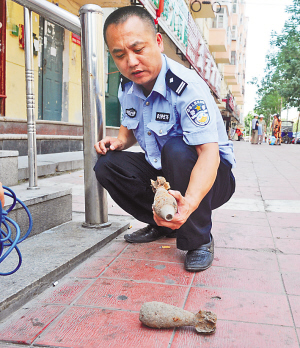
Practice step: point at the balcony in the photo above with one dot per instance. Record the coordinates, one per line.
(237, 91)
(230, 74)
(240, 100)
(235, 18)
(223, 57)
(217, 40)
(235, 45)
(206, 10)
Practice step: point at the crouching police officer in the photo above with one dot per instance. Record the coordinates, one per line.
(169, 111)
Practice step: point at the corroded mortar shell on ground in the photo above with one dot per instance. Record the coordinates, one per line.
(164, 204)
(161, 315)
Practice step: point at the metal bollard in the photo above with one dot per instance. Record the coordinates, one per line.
(92, 70)
(30, 100)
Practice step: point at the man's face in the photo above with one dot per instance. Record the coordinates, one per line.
(136, 51)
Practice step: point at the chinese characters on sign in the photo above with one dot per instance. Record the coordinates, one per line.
(76, 39)
(177, 21)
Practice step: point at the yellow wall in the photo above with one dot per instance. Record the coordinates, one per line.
(74, 64)
(15, 64)
(15, 67)
(67, 5)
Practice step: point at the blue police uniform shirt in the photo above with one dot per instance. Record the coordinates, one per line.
(180, 104)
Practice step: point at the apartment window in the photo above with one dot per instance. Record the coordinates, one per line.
(234, 32)
(234, 6)
(221, 19)
(229, 38)
(233, 58)
(218, 21)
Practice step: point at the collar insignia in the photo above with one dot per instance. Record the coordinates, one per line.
(123, 81)
(175, 83)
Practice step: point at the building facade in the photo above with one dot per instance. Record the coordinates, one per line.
(209, 37)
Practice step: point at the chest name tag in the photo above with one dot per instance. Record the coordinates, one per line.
(162, 116)
(131, 112)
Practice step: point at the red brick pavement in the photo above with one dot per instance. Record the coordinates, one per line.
(252, 286)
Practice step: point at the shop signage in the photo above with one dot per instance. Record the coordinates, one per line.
(76, 39)
(230, 104)
(180, 26)
(201, 58)
(175, 14)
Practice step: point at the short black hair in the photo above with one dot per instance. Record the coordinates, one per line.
(121, 15)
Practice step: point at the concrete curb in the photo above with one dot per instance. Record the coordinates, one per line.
(49, 256)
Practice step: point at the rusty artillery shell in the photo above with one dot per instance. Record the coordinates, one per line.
(161, 315)
(164, 204)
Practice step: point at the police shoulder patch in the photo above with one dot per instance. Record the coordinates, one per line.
(198, 113)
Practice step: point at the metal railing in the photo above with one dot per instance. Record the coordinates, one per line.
(92, 76)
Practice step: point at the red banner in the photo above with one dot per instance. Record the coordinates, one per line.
(201, 59)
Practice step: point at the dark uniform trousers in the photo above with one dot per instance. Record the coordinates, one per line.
(126, 176)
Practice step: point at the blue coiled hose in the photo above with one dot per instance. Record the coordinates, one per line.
(6, 240)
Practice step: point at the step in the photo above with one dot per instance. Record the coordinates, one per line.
(49, 206)
(49, 256)
(9, 167)
(52, 163)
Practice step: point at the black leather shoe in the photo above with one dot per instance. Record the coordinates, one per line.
(145, 235)
(200, 259)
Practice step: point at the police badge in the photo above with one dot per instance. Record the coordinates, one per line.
(198, 113)
(131, 112)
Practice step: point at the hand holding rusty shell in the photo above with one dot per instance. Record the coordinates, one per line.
(164, 204)
(161, 315)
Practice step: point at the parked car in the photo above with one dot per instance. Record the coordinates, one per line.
(294, 137)
(298, 134)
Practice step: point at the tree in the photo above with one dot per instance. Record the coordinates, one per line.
(269, 101)
(248, 120)
(280, 87)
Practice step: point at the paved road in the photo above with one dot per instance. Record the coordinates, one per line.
(253, 285)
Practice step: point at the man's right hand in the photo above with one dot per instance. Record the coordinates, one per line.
(108, 143)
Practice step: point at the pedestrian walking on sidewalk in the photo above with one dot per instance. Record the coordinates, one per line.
(261, 129)
(273, 123)
(239, 133)
(254, 133)
(277, 130)
(168, 109)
